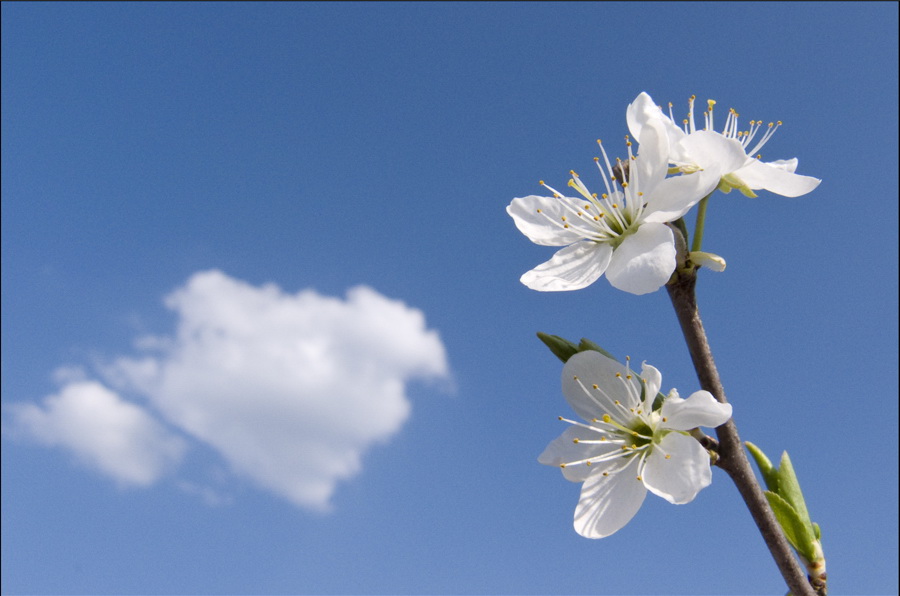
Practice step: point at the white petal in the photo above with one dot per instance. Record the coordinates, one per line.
(644, 261)
(642, 110)
(673, 197)
(776, 178)
(700, 409)
(653, 379)
(586, 369)
(571, 268)
(789, 165)
(563, 450)
(712, 151)
(652, 161)
(682, 475)
(609, 502)
(546, 227)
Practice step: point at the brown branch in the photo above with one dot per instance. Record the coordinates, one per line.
(732, 457)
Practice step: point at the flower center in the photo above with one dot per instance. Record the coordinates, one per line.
(612, 216)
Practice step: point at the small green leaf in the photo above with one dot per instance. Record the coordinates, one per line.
(795, 529)
(562, 348)
(818, 531)
(587, 344)
(789, 489)
(769, 473)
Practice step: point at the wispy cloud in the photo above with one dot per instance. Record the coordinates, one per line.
(104, 432)
(290, 389)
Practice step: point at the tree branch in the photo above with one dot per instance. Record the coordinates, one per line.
(732, 457)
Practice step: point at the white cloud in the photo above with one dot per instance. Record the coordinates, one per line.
(290, 389)
(105, 432)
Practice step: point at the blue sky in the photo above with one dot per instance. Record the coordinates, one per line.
(262, 326)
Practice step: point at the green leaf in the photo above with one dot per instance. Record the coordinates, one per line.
(587, 344)
(769, 473)
(795, 529)
(818, 531)
(562, 348)
(789, 489)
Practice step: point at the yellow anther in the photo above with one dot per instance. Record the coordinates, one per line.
(595, 386)
(779, 123)
(710, 103)
(562, 465)
(665, 419)
(606, 418)
(628, 377)
(597, 159)
(572, 172)
(606, 473)
(617, 402)
(618, 375)
(539, 211)
(587, 463)
(668, 456)
(575, 440)
(639, 478)
(541, 182)
(560, 417)
(693, 97)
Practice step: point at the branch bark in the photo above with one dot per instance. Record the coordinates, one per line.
(732, 457)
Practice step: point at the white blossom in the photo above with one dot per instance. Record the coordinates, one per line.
(625, 447)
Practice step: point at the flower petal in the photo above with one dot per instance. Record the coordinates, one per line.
(700, 409)
(652, 162)
(673, 197)
(653, 381)
(586, 369)
(540, 218)
(682, 475)
(711, 151)
(775, 177)
(564, 450)
(644, 261)
(572, 268)
(642, 110)
(609, 502)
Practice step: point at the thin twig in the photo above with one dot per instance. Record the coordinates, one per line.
(732, 458)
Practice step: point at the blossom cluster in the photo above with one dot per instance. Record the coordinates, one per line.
(624, 232)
